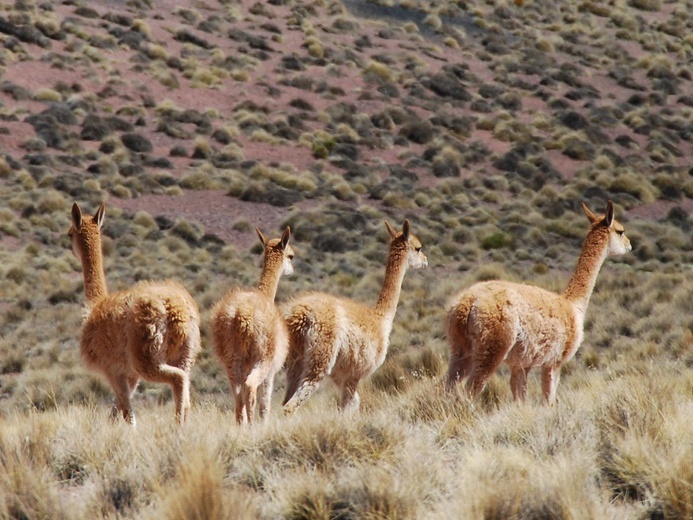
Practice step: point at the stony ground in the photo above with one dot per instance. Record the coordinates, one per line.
(391, 99)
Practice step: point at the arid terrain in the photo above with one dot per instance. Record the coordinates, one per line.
(486, 124)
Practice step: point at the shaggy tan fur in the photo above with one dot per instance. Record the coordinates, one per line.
(343, 339)
(151, 331)
(250, 335)
(527, 326)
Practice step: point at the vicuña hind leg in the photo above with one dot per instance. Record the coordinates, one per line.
(265, 397)
(255, 379)
(123, 388)
(294, 368)
(179, 382)
(241, 416)
(314, 373)
(149, 366)
(249, 399)
(460, 368)
(461, 360)
(549, 382)
(350, 396)
(518, 382)
(487, 358)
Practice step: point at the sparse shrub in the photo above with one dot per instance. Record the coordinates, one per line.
(420, 132)
(633, 184)
(315, 47)
(13, 363)
(306, 184)
(451, 42)
(646, 5)
(141, 26)
(379, 70)
(577, 149)
(322, 146)
(164, 76)
(52, 201)
(188, 231)
(203, 150)
(410, 27)
(243, 226)
(433, 21)
(144, 219)
(545, 45)
(47, 94)
(496, 240)
(178, 151)
(207, 77)
(5, 168)
(136, 142)
(394, 200)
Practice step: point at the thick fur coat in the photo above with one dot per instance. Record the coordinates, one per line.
(250, 335)
(343, 339)
(150, 331)
(525, 326)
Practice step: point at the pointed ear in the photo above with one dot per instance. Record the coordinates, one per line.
(591, 216)
(76, 215)
(406, 229)
(609, 216)
(286, 236)
(390, 229)
(262, 237)
(100, 214)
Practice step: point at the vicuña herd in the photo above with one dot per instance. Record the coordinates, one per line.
(152, 330)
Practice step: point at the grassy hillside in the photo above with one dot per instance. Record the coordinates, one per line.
(484, 123)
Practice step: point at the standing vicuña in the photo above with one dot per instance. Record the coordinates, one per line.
(527, 326)
(250, 335)
(151, 331)
(343, 339)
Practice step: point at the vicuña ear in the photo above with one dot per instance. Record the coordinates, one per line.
(100, 214)
(406, 229)
(286, 236)
(609, 217)
(76, 215)
(591, 216)
(390, 229)
(262, 237)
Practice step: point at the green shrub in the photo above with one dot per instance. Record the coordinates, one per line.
(496, 240)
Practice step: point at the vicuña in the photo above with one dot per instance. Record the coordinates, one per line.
(250, 335)
(343, 339)
(150, 331)
(524, 325)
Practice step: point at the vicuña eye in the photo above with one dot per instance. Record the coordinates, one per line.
(619, 232)
(417, 249)
(291, 257)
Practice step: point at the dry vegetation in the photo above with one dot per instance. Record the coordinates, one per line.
(484, 123)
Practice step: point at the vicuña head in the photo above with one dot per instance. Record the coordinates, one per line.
(150, 331)
(343, 339)
(526, 326)
(250, 336)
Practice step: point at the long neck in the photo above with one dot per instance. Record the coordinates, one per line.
(92, 267)
(392, 285)
(584, 278)
(269, 279)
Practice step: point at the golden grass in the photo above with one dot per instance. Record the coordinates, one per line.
(609, 447)
(603, 452)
